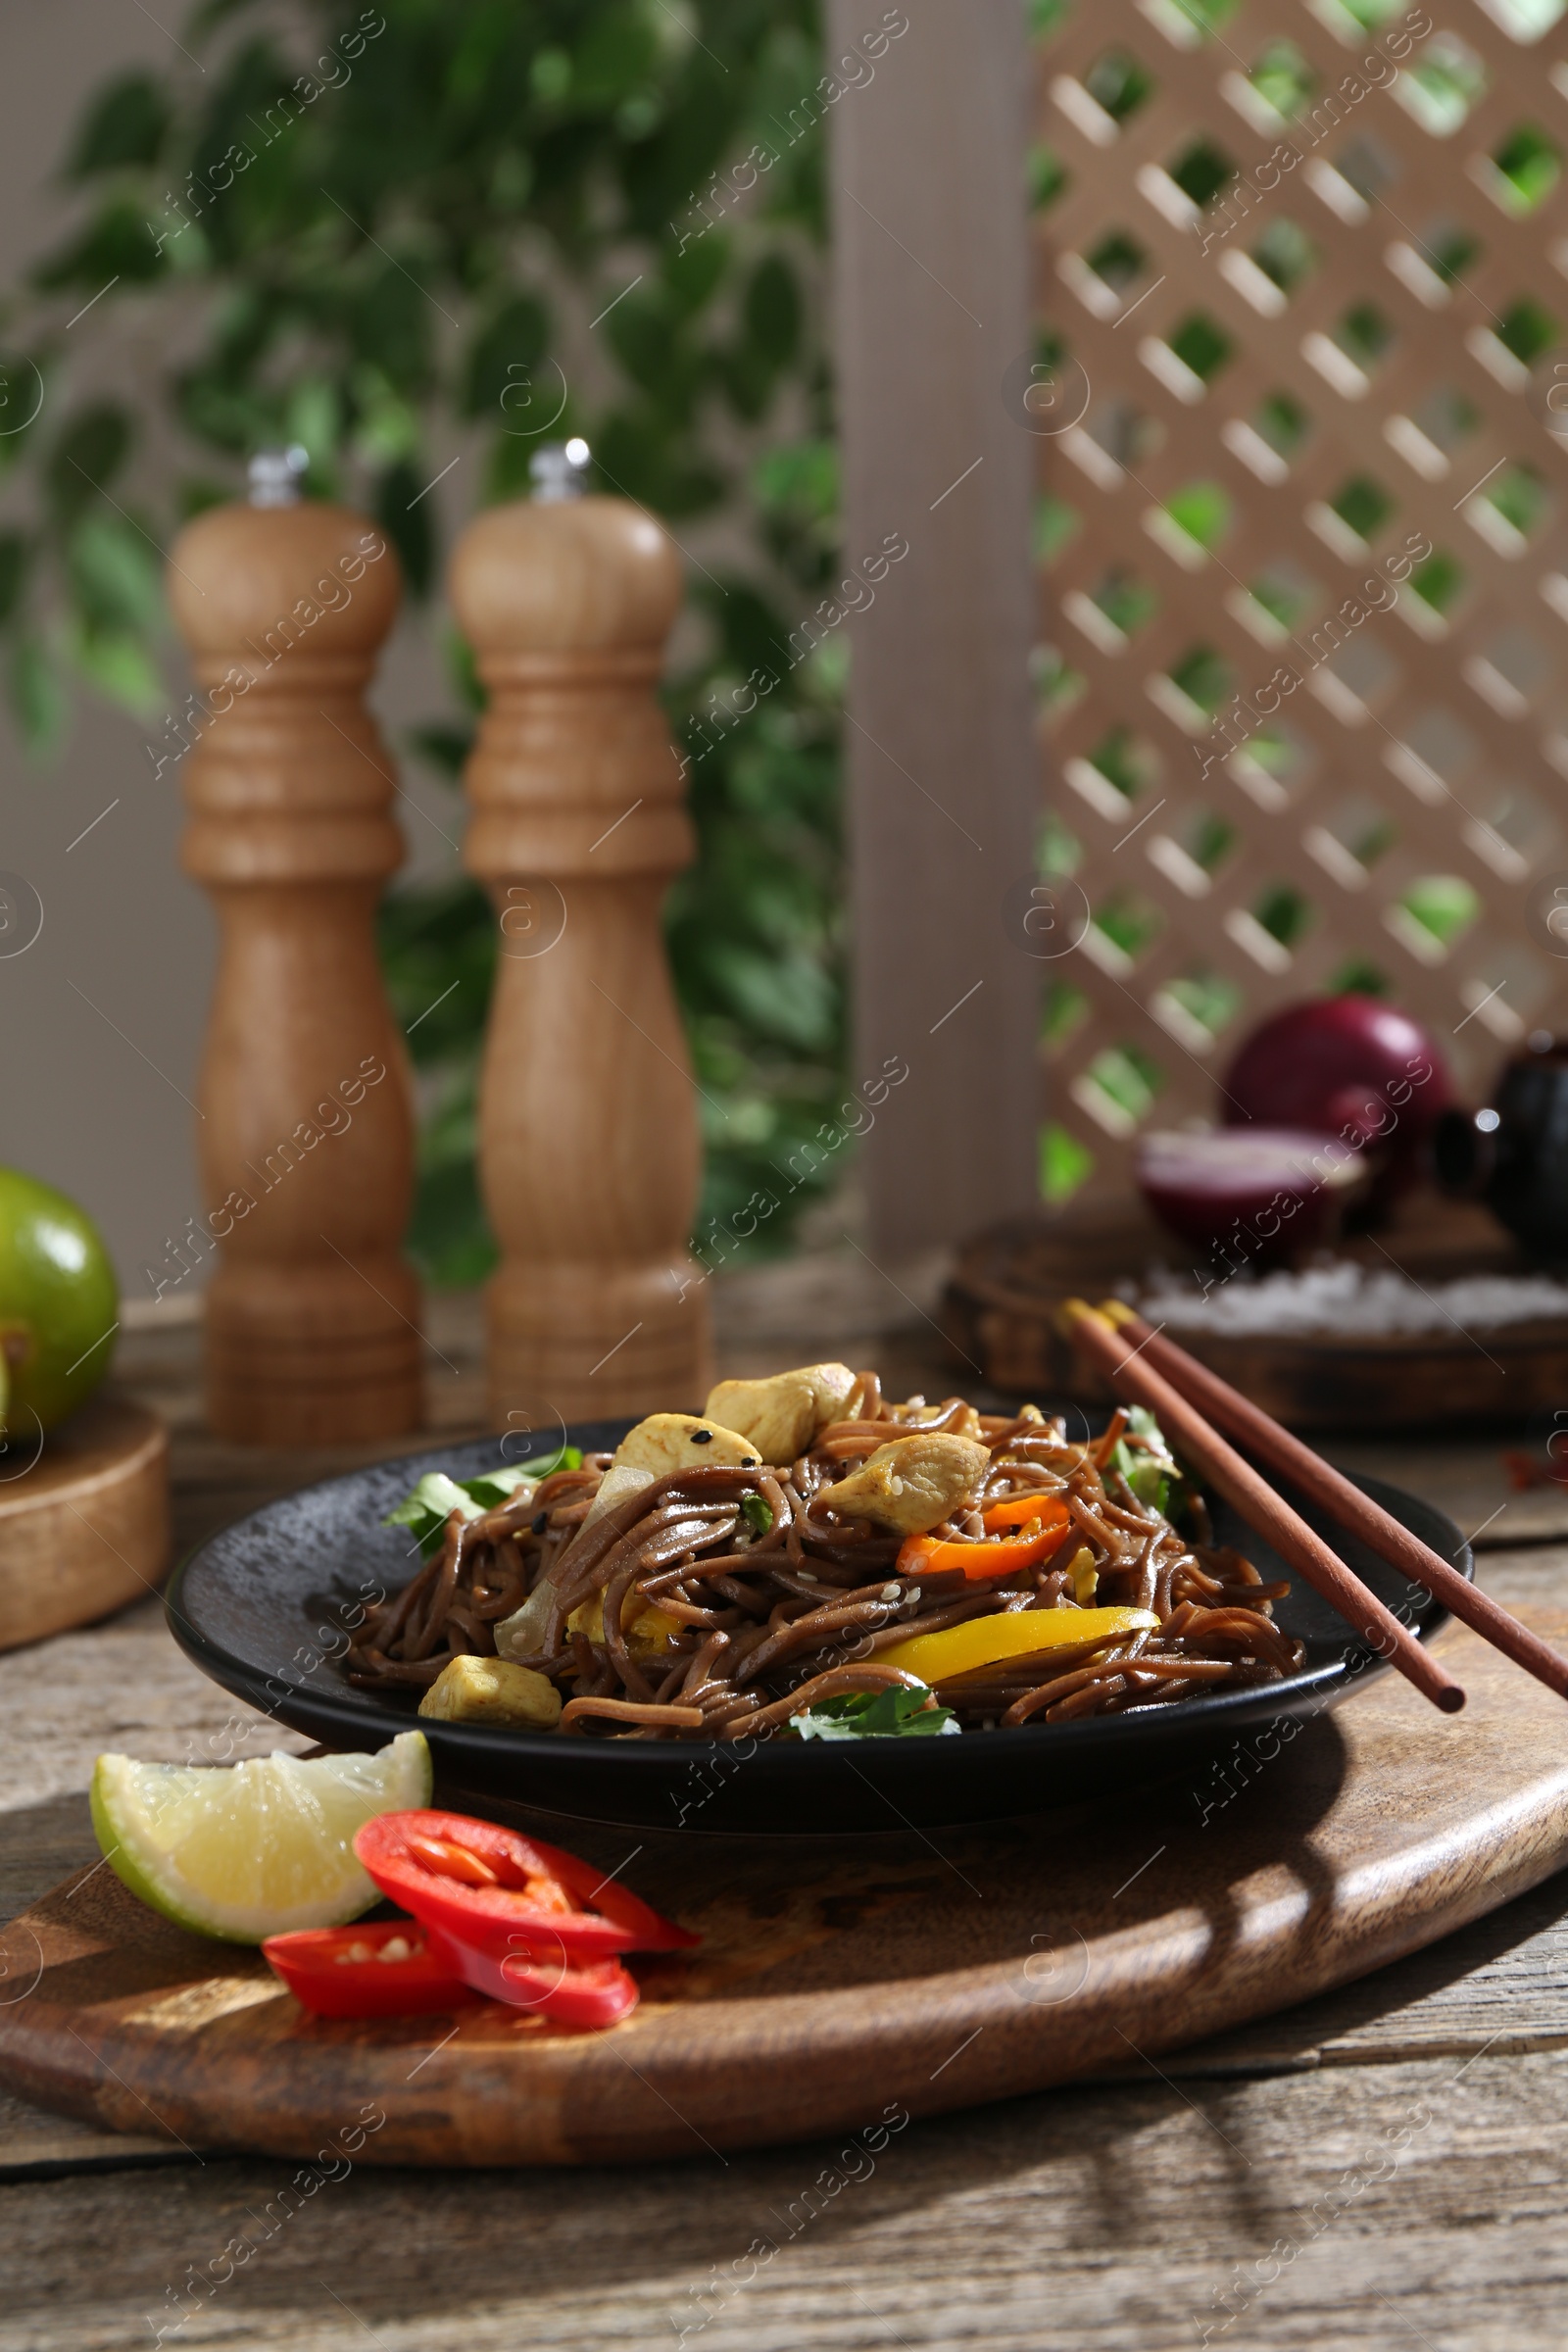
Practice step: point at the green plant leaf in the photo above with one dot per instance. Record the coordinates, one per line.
(125, 124)
(16, 554)
(445, 747)
(401, 509)
(695, 275)
(37, 696)
(772, 311)
(120, 241)
(785, 997)
(501, 360)
(87, 455)
(114, 573)
(120, 669)
(391, 325)
(616, 51)
(314, 418)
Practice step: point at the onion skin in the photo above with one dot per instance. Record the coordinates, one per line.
(1343, 1065)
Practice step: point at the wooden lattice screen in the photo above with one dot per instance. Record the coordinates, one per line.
(1293, 323)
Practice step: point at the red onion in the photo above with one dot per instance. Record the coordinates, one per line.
(1270, 1191)
(1350, 1066)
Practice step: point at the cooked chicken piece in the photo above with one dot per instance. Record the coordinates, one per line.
(911, 1485)
(668, 1442)
(664, 1441)
(492, 1690)
(782, 1415)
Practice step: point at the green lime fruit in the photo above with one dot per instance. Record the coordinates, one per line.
(59, 1302)
(257, 1850)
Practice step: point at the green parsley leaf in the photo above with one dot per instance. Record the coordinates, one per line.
(875, 1715)
(1148, 1467)
(757, 1512)
(437, 1497)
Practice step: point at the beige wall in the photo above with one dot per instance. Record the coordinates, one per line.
(101, 1019)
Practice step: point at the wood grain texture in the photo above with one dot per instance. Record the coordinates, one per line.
(833, 1983)
(588, 1146)
(306, 1109)
(86, 1529)
(1092, 2219)
(1084, 2221)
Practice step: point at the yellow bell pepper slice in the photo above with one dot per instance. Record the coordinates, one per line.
(1017, 1634)
(647, 1626)
(1084, 1577)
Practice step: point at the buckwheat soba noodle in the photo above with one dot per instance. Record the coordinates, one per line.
(775, 1564)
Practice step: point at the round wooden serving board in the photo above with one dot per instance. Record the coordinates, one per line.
(842, 1983)
(85, 1528)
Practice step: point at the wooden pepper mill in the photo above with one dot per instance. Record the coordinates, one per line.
(307, 1126)
(589, 1154)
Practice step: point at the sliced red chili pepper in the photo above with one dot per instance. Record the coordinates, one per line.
(388, 1967)
(580, 1992)
(453, 1861)
(534, 1897)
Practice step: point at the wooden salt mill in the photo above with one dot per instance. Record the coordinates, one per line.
(589, 1154)
(306, 1127)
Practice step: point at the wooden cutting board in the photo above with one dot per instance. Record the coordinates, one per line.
(84, 1524)
(843, 1984)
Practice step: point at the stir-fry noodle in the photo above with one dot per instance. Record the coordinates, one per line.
(731, 1594)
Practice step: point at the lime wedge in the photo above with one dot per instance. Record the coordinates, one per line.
(257, 1850)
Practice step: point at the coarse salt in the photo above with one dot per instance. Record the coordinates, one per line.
(1346, 1300)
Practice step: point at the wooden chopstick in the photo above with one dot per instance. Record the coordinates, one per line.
(1265, 1511)
(1346, 1502)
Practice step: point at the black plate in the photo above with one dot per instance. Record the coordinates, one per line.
(260, 1607)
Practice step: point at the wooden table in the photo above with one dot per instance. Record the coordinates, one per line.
(1384, 2167)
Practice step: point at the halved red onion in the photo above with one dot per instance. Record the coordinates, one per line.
(1282, 1186)
(1344, 1064)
